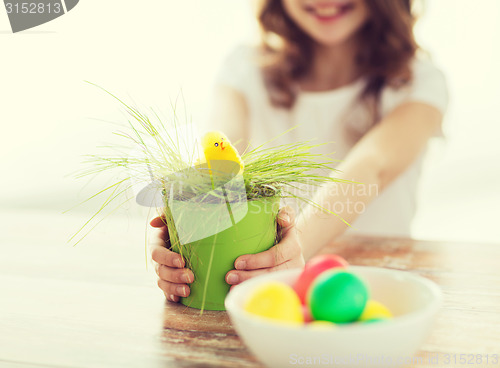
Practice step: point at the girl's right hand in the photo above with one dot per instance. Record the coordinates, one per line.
(173, 278)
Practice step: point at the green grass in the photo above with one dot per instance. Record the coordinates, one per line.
(269, 171)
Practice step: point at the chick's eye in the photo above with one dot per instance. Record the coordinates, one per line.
(216, 144)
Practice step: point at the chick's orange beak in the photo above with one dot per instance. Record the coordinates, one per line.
(222, 146)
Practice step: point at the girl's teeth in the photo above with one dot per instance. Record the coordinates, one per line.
(327, 12)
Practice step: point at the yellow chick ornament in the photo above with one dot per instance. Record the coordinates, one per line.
(216, 146)
(224, 164)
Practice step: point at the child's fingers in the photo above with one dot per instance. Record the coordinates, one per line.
(158, 239)
(166, 257)
(171, 297)
(172, 290)
(164, 237)
(235, 277)
(285, 219)
(289, 248)
(176, 275)
(286, 249)
(158, 222)
(266, 259)
(173, 278)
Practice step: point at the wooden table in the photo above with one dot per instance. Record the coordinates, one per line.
(96, 305)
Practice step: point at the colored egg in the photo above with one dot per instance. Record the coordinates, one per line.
(276, 301)
(313, 268)
(373, 320)
(321, 325)
(337, 296)
(375, 311)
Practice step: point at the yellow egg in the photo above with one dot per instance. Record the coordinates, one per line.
(374, 310)
(276, 301)
(321, 325)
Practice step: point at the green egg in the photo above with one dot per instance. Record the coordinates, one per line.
(338, 297)
(374, 320)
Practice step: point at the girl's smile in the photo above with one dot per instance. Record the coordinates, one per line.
(326, 12)
(328, 22)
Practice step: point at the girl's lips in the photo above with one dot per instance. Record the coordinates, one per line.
(327, 12)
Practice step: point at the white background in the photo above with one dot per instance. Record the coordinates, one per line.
(147, 51)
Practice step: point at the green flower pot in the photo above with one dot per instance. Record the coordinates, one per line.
(212, 257)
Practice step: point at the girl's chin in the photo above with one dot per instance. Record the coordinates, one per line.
(330, 41)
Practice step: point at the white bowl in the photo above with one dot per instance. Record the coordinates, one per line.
(412, 299)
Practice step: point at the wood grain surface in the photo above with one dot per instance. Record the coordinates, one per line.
(97, 304)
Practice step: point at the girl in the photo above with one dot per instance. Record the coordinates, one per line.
(343, 71)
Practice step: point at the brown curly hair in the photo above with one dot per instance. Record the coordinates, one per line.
(387, 46)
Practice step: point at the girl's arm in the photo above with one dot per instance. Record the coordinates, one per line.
(387, 150)
(377, 159)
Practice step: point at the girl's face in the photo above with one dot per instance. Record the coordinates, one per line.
(328, 22)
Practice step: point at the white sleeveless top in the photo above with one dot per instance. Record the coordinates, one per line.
(322, 116)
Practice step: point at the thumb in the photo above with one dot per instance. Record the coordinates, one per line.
(158, 222)
(286, 219)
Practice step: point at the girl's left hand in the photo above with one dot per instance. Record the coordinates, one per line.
(284, 255)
